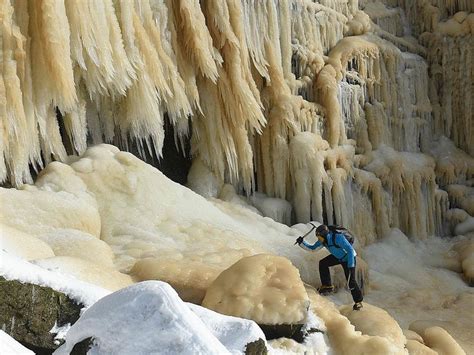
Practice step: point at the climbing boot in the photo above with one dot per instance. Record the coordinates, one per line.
(357, 306)
(326, 290)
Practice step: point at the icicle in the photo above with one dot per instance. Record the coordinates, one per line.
(176, 102)
(196, 37)
(285, 39)
(215, 147)
(186, 70)
(327, 87)
(45, 87)
(54, 34)
(341, 212)
(240, 108)
(14, 126)
(255, 21)
(25, 75)
(75, 123)
(307, 154)
(3, 108)
(410, 180)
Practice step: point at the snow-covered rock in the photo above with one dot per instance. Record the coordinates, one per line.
(29, 312)
(148, 317)
(235, 333)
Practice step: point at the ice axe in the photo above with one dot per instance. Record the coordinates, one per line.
(308, 232)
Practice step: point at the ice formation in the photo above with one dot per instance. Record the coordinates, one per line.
(465, 250)
(403, 275)
(15, 268)
(355, 112)
(137, 209)
(344, 337)
(148, 225)
(23, 245)
(382, 323)
(265, 288)
(287, 98)
(85, 270)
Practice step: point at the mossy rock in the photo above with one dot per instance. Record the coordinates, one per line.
(256, 347)
(82, 347)
(28, 312)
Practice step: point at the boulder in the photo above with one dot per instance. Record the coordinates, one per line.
(265, 288)
(28, 312)
(236, 334)
(256, 347)
(156, 319)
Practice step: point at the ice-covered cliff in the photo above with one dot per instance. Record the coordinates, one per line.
(312, 102)
(351, 112)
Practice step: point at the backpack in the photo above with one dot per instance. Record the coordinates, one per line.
(345, 232)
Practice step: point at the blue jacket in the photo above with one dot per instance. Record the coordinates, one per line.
(337, 245)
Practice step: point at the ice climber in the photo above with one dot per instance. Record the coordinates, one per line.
(342, 253)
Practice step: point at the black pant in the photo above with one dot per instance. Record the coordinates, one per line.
(325, 276)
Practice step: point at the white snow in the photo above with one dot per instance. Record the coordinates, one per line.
(60, 332)
(148, 317)
(14, 268)
(234, 333)
(9, 346)
(316, 341)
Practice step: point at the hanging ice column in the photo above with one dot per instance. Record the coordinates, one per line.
(451, 76)
(281, 99)
(414, 107)
(445, 28)
(392, 88)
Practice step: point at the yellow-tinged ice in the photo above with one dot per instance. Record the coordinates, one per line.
(355, 112)
(253, 76)
(263, 287)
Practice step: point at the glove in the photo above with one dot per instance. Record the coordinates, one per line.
(299, 240)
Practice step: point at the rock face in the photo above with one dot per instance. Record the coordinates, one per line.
(28, 312)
